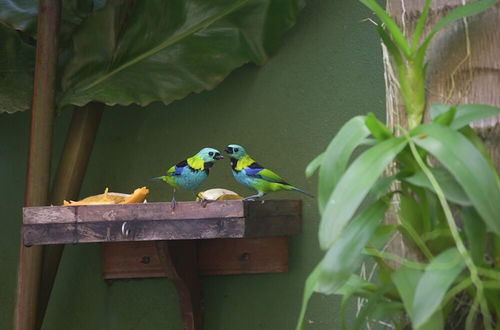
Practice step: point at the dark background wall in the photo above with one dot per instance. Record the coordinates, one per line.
(285, 113)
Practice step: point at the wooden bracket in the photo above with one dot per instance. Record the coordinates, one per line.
(181, 265)
(153, 240)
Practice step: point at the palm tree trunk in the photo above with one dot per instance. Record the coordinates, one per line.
(463, 68)
(463, 63)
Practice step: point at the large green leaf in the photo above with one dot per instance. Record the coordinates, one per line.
(467, 165)
(355, 285)
(392, 27)
(19, 14)
(157, 50)
(336, 156)
(309, 288)
(467, 10)
(314, 165)
(465, 113)
(452, 190)
(475, 232)
(377, 128)
(406, 281)
(377, 306)
(17, 51)
(16, 71)
(410, 213)
(439, 275)
(354, 186)
(344, 256)
(22, 14)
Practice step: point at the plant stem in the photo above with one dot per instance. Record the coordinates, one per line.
(67, 183)
(489, 273)
(479, 299)
(417, 240)
(393, 257)
(39, 156)
(456, 289)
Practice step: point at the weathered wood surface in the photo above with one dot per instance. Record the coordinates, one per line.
(215, 257)
(243, 256)
(180, 261)
(157, 221)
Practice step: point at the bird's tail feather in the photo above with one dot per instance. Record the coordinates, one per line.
(158, 178)
(302, 191)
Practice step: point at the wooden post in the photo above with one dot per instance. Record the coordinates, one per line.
(40, 147)
(180, 259)
(67, 183)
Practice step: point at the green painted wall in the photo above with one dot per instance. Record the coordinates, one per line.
(328, 70)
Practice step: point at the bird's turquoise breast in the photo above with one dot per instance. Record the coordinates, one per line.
(244, 179)
(190, 180)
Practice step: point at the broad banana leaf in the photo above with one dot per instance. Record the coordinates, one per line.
(18, 20)
(19, 15)
(144, 51)
(16, 71)
(158, 50)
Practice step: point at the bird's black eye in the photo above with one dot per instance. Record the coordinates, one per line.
(236, 149)
(210, 153)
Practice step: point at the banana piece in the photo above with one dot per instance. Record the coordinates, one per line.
(217, 194)
(138, 196)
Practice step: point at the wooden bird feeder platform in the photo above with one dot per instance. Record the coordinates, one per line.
(152, 240)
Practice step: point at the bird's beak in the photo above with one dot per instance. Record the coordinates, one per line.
(218, 156)
(229, 150)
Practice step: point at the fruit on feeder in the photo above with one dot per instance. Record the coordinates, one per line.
(138, 196)
(217, 194)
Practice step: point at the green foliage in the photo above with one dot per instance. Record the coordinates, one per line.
(449, 203)
(16, 71)
(140, 52)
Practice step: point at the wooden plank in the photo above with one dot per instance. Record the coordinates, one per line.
(48, 214)
(215, 257)
(131, 260)
(156, 221)
(243, 256)
(129, 212)
(137, 231)
(273, 207)
(272, 226)
(272, 217)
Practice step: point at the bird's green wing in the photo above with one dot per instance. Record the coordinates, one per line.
(269, 175)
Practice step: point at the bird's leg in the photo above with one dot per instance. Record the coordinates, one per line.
(253, 197)
(204, 202)
(174, 202)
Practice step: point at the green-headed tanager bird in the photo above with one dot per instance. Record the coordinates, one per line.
(253, 175)
(192, 172)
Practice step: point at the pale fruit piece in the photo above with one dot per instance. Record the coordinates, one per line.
(138, 196)
(218, 194)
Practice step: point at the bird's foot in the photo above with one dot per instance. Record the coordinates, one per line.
(253, 197)
(204, 202)
(173, 204)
